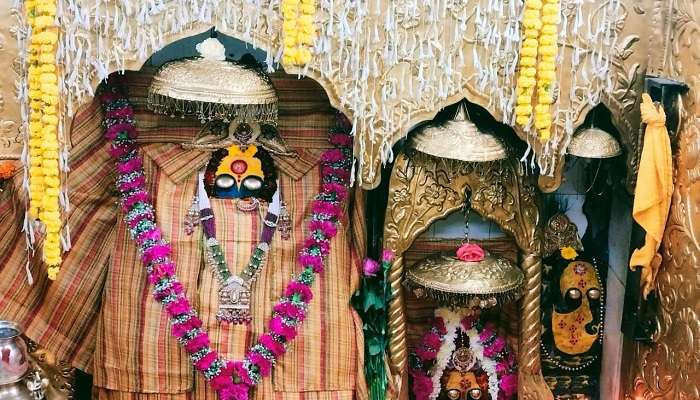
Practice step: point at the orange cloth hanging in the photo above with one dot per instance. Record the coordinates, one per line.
(652, 197)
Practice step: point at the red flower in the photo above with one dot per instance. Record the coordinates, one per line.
(470, 252)
(422, 386)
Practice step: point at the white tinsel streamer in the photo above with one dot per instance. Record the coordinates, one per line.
(487, 364)
(452, 320)
(22, 35)
(356, 41)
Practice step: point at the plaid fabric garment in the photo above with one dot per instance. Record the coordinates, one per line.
(100, 315)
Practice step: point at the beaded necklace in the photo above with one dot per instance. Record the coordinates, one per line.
(234, 290)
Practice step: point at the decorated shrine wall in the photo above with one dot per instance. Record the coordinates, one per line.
(670, 367)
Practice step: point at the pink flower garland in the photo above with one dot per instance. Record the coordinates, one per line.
(232, 380)
(495, 348)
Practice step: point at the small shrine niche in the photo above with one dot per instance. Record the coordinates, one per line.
(434, 176)
(585, 262)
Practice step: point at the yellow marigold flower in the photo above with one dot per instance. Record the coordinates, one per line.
(546, 66)
(529, 72)
(530, 14)
(52, 182)
(291, 52)
(43, 21)
(531, 33)
(534, 4)
(530, 43)
(549, 30)
(50, 120)
(528, 52)
(525, 109)
(48, 9)
(544, 134)
(48, 68)
(528, 61)
(545, 98)
(550, 9)
(304, 56)
(308, 9)
(51, 170)
(550, 19)
(548, 50)
(524, 99)
(287, 60)
(542, 108)
(547, 40)
(522, 120)
(306, 39)
(35, 94)
(532, 23)
(52, 272)
(49, 99)
(48, 78)
(47, 58)
(306, 19)
(546, 75)
(543, 123)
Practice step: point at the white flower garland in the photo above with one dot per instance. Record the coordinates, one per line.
(452, 321)
(487, 364)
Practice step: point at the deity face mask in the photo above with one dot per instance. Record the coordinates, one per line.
(573, 327)
(242, 170)
(462, 381)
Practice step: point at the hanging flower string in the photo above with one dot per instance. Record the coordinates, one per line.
(540, 21)
(525, 85)
(546, 68)
(298, 30)
(431, 356)
(230, 379)
(44, 181)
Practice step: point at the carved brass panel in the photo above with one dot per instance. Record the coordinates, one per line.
(424, 189)
(670, 367)
(10, 137)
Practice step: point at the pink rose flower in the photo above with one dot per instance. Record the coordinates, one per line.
(470, 252)
(370, 267)
(422, 386)
(509, 385)
(387, 255)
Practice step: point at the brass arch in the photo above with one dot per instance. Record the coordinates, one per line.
(424, 189)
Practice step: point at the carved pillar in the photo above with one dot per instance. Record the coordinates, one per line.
(424, 189)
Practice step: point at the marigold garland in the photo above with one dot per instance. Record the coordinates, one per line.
(546, 68)
(44, 173)
(299, 30)
(540, 22)
(232, 380)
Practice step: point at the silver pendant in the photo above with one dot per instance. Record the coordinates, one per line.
(192, 217)
(234, 302)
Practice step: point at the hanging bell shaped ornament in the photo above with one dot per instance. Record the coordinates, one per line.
(192, 217)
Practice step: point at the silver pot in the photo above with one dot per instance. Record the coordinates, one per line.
(14, 359)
